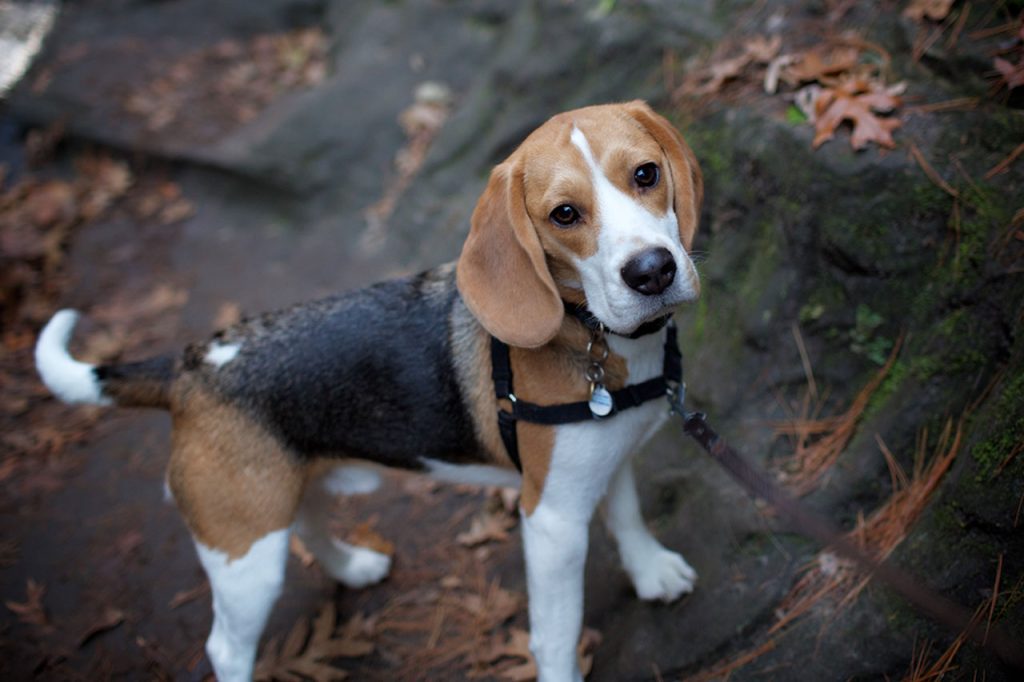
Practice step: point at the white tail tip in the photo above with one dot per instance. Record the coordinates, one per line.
(70, 380)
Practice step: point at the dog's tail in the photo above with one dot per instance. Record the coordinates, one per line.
(137, 384)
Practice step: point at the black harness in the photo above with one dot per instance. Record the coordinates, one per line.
(624, 398)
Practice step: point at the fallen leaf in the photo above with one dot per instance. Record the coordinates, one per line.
(183, 597)
(450, 582)
(364, 535)
(720, 73)
(486, 527)
(509, 498)
(176, 211)
(517, 646)
(108, 620)
(31, 611)
(761, 49)
(307, 651)
(936, 10)
(858, 101)
(127, 543)
(1012, 74)
(818, 63)
(590, 639)
(298, 549)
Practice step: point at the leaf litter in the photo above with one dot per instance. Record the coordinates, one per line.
(309, 648)
(39, 215)
(833, 82)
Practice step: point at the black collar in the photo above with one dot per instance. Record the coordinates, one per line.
(582, 313)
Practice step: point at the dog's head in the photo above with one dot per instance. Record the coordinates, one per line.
(598, 205)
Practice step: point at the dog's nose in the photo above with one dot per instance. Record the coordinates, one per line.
(650, 272)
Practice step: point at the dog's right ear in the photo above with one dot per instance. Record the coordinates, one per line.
(502, 274)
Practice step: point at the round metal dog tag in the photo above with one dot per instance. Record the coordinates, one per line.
(600, 401)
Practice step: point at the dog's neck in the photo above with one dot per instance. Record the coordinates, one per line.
(581, 312)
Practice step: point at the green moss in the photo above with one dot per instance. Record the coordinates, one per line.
(898, 374)
(985, 215)
(713, 147)
(863, 337)
(699, 318)
(924, 367)
(1006, 431)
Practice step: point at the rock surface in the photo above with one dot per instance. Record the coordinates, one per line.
(853, 249)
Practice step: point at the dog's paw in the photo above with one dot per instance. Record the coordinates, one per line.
(363, 567)
(664, 575)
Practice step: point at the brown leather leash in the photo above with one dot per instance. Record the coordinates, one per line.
(757, 483)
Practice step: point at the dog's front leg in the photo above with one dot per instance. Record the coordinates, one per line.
(657, 573)
(556, 549)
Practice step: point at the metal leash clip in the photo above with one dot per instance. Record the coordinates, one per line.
(676, 395)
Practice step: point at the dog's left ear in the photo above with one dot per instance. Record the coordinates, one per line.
(502, 273)
(687, 180)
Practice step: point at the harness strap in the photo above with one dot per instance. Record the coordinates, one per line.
(624, 398)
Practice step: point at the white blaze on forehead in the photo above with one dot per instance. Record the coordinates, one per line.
(221, 354)
(625, 222)
(625, 228)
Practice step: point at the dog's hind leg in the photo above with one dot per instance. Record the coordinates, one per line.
(238, 491)
(244, 591)
(348, 564)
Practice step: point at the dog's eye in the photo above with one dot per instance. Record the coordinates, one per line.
(646, 175)
(565, 215)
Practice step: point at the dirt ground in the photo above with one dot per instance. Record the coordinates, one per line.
(166, 167)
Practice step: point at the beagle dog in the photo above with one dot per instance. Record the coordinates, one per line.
(595, 211)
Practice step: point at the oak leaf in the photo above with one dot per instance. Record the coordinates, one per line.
(859, 101)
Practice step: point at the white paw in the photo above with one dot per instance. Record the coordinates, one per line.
(663, 575)
(364, 567)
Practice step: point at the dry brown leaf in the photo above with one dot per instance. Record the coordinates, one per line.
(856, 100)
(1012, 75)
(31, 611)
(364, 535)
(720, 73)
(589, 641)
(762, 49)
(176, 211)
(298, 549)
(183, 597)
(756, 50)
(818, 63)
(936, 10)
(517, 646)
(307, 651)
(486, 527)
(108, 620)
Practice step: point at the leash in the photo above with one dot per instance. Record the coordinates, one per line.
(604, 404)
(759, 484)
